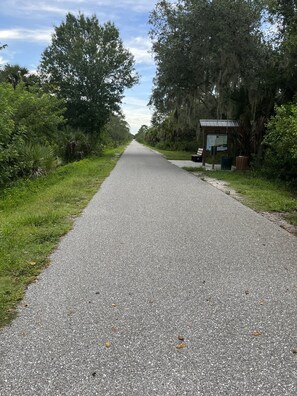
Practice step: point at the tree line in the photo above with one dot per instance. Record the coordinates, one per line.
(70, 108)
(227, 59)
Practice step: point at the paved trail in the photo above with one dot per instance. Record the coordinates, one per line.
(159, 253)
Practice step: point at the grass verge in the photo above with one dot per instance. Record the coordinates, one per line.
(259, 193)
(173, 155)
(34, 214)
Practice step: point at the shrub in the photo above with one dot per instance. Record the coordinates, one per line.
(37, 159)
(74, 144)
(280, 158)
(10, 139)
(29, 125)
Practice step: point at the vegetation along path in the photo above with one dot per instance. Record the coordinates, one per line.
(165, 286)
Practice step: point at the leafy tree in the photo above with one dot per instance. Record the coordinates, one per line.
(16, 74)
(88, 66)
(212, 62)
(13, 74)
(151, 136)
(281, 140)
(3, 46)
(140, 135)
(117, 130)
(39, 115)
(283, 14)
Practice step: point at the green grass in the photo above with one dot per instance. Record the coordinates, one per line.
(174, 155)
(187, 155)
(259, 193)
(34, 214)
(291, 217)
(193, 169)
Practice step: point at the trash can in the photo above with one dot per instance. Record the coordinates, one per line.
(226, 163)
(242, 162)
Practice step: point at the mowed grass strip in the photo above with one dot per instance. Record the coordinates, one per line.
(173, 155)
(176, 155)
(34, 214)
(259, 193)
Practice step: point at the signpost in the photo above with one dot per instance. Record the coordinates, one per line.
(217, 143)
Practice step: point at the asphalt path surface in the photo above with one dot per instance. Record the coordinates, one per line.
(159, 254)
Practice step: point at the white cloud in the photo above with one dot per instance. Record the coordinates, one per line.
(140, 48)
(137, 6)
(41, 10)
(33, 70)
(35, 7)
(136, 112)
(44, 7)
(129, 5)
(71, 1)
(43, 35)
(134, 101)
(136, 118)
(63, 6)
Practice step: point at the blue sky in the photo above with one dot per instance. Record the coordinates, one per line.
(26, 27)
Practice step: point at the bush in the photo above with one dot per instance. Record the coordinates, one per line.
(280, 159)
(151, 136)
(10, 139)
(29, 125)
(74, 145)
(37, 159)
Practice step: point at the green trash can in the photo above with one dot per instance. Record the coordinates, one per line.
(226, 163)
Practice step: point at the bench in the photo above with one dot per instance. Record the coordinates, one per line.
(198, 157)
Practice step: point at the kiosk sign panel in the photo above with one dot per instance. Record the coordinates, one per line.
(220, 141)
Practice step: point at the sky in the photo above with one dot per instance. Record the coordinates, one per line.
(26, 27)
